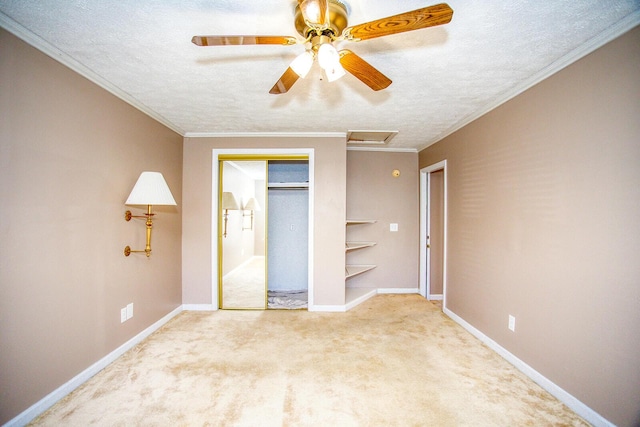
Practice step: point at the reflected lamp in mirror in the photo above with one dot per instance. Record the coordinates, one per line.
(251, 206)
(150, 189)
(229, 202)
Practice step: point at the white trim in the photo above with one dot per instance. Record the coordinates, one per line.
(610, 34)
(577, 406)
(359, 300)
(310, 153)
(327, 308)
(199, 307)
(265, 135)
(398, 291)
(52, 398)
(425, 194)
(385, 149)
(66, 60)
(435, 297)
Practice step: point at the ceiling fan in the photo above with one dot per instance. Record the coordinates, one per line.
(323, 22)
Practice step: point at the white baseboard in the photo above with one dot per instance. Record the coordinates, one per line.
(398, 290)
(199, 307)
(366, 294)
(435, 297)
(49, 400)
(577, 406)
(327, 308)
(360, 299)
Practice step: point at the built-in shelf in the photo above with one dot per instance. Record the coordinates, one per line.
(360, 221)
(350, 269)
(288, 185)
(353, 270)
(352, 246)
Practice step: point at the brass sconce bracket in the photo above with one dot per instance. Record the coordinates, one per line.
(149, 224)
(225, 215)
(244, 215)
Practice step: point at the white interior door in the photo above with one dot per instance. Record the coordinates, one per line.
(433, 225)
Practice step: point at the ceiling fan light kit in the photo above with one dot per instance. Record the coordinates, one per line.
(302, 64)
(323, 22)
(315, 12)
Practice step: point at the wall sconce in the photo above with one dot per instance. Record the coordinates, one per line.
(251, 205)
(150, 189)
(228, 202)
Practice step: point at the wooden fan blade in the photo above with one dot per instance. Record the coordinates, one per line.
(315, 12)
(286, 81)
(242, 40)
(363, 70)
(431, 16)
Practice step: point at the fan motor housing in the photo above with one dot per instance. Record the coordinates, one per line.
(338, 19)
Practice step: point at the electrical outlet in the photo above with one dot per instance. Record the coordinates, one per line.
(393, 227)
(129, 311)
(512, 323)
(123, 315)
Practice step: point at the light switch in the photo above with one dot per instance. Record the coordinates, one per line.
(393, 227)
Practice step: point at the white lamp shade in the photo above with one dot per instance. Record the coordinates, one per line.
(229, 201)
(334, 73)
(302, 64)
(151, 189)
(252, 205)
(328, 56)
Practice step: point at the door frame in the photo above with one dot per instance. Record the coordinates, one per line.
(425, 198)
(215, 198)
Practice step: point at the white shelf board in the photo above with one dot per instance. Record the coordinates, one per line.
(353, 270)
(360, 221)
(352, 246)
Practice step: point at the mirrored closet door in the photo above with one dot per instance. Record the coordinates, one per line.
(242, 239)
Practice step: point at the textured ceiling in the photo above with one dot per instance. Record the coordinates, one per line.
(443, 77)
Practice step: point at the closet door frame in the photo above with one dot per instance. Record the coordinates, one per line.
(216, 219)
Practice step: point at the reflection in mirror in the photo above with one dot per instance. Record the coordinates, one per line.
(243, 272)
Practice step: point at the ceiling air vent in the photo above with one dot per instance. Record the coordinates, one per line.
(370, 137)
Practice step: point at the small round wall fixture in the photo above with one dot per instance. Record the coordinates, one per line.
(395, 173)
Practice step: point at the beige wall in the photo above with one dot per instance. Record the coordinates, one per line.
(373, 193)
(70, 154)
(329, 212)
(544, 224)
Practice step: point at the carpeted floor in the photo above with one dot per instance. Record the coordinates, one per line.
(395, 360)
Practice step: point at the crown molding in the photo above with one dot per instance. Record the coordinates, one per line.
(387, 149)
(265, 135)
